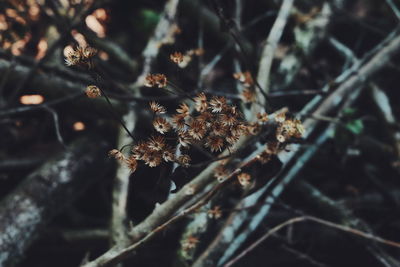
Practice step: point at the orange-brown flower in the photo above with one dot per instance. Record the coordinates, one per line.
(152, 158)
(263, 117)
(281, 117)
(179, 121)
(215, 213)
(176, 57)
(244, 77)
(217, 104)
(184, 160)
(253, 128)
(248, 95)
(80, 56)
(131, 163)
(185, 139)
(189, 243)
(157, 108)
(183, 109)
(206, 116)
(197, 129)
(115, 153)
(153, 80)
(201, 104)
(228, 118)
(168, 154)
(92, 91)
(231, 138)
(156, 143)
(218, 128)
(139, 150)
(244, 179)
(161, 125)
(264, 157)
(220, 173)
(215, 143)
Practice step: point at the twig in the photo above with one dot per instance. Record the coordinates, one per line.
(394, 8)
(119, 218)
(316, 220)
(56, 125)
(271, 44)
(303, 256)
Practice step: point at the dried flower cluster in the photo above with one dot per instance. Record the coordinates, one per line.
(244, 179)
(288, 128)
(156, 80)
(215, 213)
(210, 123)
(189, 243)
(182, 60)
(248, 94)
(81, 56)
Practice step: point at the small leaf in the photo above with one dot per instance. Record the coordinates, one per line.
(355, 126)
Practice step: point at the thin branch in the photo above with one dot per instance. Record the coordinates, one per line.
(271, 44)
(56, 125)
(394, 8)
(318, 221)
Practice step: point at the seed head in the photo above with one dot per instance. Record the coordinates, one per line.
(92, 91)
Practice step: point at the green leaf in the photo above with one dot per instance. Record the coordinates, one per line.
(355, 126)
(149, 18)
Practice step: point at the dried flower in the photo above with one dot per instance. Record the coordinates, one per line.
(264, 157)
(215, 213)
(183, 109)
(229, 118)
(215, 143)
(168, 154)
(217, 104)
(197, 129)
(300, 129)
(220, 173)
(184, 160)
(244, 179)
(179, 121)
(157, 108)
(92, 91)
(219, 129)
(156, 143)
(161, 125)
(139, 150)
(131, 163)
(231, 138)
(176, 57)
(201, 104)
(80, 56)
(185, 139)
(244, 77)
(253, 128)
(263, 117)
(281, 138)
(189, 243)
(248, 95)
(152, 158)
(281, 117)
(115, 153)
(156, 80)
